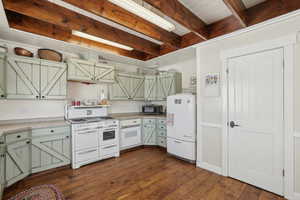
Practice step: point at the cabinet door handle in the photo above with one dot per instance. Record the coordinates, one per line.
(52, 131)
(67, 137)
(18, 136)
(28, 142)
(36, 97)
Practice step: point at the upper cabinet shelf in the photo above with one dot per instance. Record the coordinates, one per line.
(90, 72)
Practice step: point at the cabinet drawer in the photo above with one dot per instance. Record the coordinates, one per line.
(17, 136)
(161, 133)
(130, 122)
(50, 131)
(87, 155)
(161, 141)
(161, 127)
(108, 150)
(149, 121)
(161, 121)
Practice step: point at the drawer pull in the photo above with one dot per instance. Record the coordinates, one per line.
(52, 131)
(28, 142)
(67, 137)
(19, 136)
(85, 152)
(111, 146)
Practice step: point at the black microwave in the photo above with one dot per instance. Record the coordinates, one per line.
(152, 109)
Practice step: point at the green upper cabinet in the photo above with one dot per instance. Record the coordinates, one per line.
(22, 78)
(32, 78)
(150, 88)
(53, 80)
(171, 83)
(104, 73)
(137, 87)
(2, 76)
(127, 87)
(87, 71)
(81, 70)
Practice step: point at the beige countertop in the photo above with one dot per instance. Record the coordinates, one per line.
(124, 116)
(22, 125)
(13, 126)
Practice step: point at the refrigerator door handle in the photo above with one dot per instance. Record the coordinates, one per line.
(170, 119)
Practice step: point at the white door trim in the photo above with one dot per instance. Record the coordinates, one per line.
(287, 43)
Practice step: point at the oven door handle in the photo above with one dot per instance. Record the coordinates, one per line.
(86, 132)
(131, 126)
(111, 146)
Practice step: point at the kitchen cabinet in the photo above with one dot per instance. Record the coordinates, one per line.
(127, 87)
(87, 71)
(2, 76)
(150, 88)
(51, 148)
(22, 78)
(149, 132)
(2, 166)
(17, 158)
(104, 73)
(53, 80)
(161, 133)
(170, 84)
(32, 78)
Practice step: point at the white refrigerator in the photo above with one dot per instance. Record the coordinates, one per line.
(181, 126)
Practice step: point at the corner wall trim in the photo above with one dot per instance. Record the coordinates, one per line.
(209, 167)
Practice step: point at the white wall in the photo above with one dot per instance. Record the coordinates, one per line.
(209, 61)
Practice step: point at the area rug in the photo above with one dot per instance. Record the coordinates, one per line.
(43, 192)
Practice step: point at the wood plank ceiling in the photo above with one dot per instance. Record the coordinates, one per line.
(45, 18)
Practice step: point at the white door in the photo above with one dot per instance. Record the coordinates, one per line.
(256, 108)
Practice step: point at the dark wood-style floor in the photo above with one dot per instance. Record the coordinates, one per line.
(144, 174)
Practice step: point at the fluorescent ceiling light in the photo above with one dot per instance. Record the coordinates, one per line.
(144, 13)
(97, 39)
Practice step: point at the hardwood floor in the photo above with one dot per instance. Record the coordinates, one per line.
(145, 174)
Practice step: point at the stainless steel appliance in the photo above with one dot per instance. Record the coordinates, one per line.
(152, 109)
(95, 136)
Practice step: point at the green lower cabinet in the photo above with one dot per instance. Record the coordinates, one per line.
(17, 161)
(154, 132)
(149, 133)
(2, 167)
(51, 148)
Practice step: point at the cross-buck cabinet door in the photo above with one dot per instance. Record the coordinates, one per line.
(150, 88)
(22, 78)
(120, 89)
(138, 87)
(81, 70)
(149, 134)
(160, 91)
(53, 80)
(2, 76)
(50, 152)
(104, 73)
(18, 161)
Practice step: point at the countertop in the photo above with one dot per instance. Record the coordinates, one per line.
(13, 126)
(23, 125)
(124, 116)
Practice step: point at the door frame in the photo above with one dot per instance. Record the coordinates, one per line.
(288, 45)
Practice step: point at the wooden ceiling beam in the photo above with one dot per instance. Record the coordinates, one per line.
(32, 25)
(112, 12)
(178, 12)
(54, 14)
(237, 7)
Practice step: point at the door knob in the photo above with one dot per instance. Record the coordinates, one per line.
(232, 124)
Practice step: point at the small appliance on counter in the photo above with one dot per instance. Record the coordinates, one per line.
(152, 109)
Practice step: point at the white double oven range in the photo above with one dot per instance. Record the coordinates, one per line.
(95, 136)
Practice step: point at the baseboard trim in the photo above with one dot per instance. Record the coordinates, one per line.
(209, 167)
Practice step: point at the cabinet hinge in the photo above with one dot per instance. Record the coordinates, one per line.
(283, 172)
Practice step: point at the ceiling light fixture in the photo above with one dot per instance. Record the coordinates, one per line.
(144, 13)
(97, 39)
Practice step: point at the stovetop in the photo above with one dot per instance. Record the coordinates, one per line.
(89, 120)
